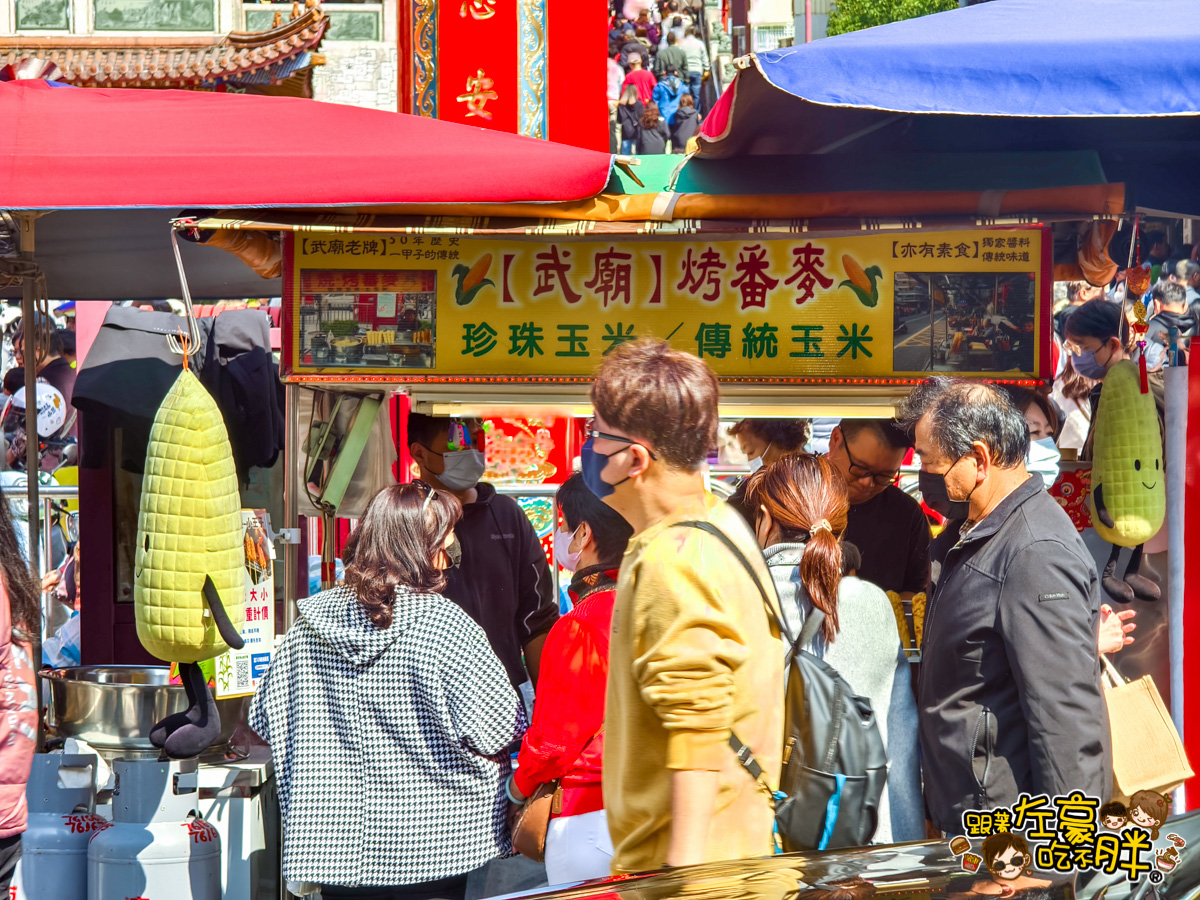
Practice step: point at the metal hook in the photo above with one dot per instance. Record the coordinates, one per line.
(192, 345)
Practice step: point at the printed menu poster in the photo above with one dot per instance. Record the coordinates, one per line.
(239, 671)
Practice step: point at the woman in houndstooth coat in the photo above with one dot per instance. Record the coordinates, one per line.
(390, 719)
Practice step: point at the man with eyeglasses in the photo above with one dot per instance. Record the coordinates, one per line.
(694, 658)
(887, 525)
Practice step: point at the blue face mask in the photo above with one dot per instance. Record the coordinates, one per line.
(1085, 364)
(591, 464)
(1044, 459)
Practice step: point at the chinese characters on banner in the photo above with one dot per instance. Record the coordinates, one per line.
(239, 671)
(875, 305)
(1043, 834)
(491, 64)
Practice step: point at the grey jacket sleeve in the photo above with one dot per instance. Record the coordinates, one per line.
(1048, 614)
(485, 710)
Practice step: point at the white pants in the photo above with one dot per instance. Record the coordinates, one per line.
(578, 848)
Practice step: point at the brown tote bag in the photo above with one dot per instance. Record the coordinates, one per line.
(529, 834)
(1147, 753)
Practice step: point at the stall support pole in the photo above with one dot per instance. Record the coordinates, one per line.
(28, 307)
(1176, 391)
(291, 466)
(29, 296)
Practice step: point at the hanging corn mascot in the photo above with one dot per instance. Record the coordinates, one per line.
(1128, 497)
(189, 576)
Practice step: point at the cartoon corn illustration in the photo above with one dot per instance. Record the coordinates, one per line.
(1128, 499)
(189, 567)
(471, 281)
(862, 281)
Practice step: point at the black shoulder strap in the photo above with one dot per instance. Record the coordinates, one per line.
(733, 548)
(744, 754)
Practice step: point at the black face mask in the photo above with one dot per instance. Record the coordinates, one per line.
(937, 498)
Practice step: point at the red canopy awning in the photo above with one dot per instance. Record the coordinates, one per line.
(68, 148)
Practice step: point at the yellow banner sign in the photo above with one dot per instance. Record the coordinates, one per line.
(874, 305)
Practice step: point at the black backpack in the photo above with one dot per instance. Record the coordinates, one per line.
(834, 762)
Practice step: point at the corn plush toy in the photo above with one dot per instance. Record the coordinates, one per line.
(1128, 498)
(188, 592)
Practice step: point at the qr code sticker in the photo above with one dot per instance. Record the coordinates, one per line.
(242, 678)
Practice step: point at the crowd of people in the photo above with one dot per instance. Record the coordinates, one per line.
(392, 707)
(657, 64)
(55, 369)
(1094, 330)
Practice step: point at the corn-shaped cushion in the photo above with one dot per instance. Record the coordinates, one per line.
(1127, 463)
(189, 529)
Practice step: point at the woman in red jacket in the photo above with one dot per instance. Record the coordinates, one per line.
(566, 741)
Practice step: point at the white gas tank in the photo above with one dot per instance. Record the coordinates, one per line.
(158, 848)
(62, 820)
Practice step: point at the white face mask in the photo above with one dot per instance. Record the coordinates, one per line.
(562, 550)
(463, 469)
(1044, 459)
(757, 463)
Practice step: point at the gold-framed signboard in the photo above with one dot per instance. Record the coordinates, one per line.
(892, 306)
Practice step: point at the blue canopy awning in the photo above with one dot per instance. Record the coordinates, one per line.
(1116, 77)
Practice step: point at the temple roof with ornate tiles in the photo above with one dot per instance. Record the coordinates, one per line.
(276, 61)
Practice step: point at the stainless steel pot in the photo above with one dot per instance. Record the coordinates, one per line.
(114, 707)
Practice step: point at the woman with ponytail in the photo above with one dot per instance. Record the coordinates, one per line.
(799, 507)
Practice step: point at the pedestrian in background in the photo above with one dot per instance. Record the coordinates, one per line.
(390, 718)
(1009, 691)
(667, 93)
(629, 119)
(800, 510)
(695, 657)
(641, 79)
(1093, 338)
(670, 55)
(687, 121)
(652, 134)
(763, 441)
(697, 61)
(565, 743)
(634, 51)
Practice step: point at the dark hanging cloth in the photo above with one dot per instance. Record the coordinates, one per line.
(240, 372)
(129, 369)
(123, 379)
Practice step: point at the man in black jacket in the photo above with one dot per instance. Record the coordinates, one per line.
(1009, 695)
(503, 581)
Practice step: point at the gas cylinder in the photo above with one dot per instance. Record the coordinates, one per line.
(159, 847)
(54, 847)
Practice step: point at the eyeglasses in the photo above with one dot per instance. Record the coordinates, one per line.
(1016, 862)
(858, 470)
(591, 432)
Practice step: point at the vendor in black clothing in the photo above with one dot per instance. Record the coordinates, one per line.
(888, 526)
(503, 581)
(764, 441)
